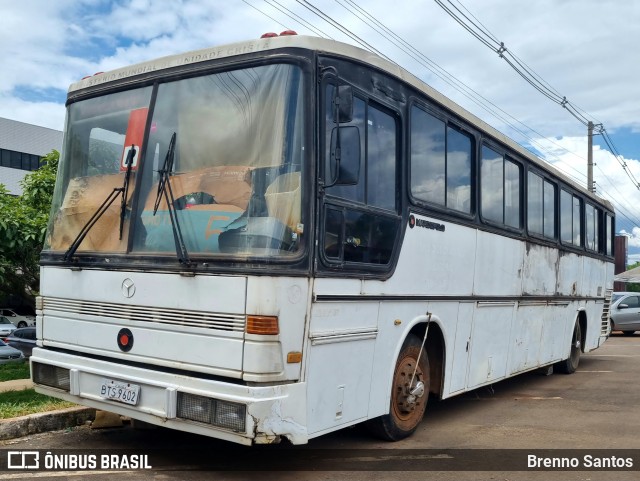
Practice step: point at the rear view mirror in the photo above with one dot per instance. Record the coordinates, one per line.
(345, 158)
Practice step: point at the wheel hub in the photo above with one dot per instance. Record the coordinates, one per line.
(409, 393)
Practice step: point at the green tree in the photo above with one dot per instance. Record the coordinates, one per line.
(632, 286)
(23, 226)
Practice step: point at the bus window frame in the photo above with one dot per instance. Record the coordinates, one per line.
(329, 266)
(556, 207)
(507, 156)
(461, 128)
(301, 263)
(597, 215)
(579, 248)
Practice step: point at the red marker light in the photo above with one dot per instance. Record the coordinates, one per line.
(269, 35)
(288, 32)
(125, 340)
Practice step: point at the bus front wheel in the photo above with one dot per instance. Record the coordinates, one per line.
(569, 365)
(409, 393)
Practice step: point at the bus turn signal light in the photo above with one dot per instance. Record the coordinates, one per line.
(265, 325)
(294, 357)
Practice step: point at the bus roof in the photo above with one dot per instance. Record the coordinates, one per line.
(327, 46)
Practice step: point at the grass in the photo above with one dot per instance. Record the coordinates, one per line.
(27, 401)
(16, 370)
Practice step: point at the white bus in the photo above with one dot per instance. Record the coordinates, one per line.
(283, 237)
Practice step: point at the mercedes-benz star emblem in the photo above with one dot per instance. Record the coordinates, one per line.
(128, 288)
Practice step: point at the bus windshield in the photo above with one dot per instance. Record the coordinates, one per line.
(232, 185)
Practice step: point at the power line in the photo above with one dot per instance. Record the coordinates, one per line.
(535, 80)
(619, 158)
(448, 78)
(297, 18)
(619, 201)
(419, 57)
(489, 40)
(266, 14)
(334, 23)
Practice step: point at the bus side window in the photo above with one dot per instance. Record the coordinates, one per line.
(500, 189)
(440, 162)
(333, 233)
(571, 218)
(591, 227)
(609, 233)
(369, 238)
(541, 206)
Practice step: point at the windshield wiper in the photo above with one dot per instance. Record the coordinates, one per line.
(125, 187)
(164, 187)
(113, 195)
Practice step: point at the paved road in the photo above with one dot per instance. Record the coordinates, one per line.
(595, 409)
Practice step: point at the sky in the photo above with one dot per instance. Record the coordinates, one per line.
(584, 50)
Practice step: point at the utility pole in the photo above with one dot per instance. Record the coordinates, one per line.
(590, 184)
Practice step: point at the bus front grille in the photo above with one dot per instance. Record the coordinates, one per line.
(162, 315)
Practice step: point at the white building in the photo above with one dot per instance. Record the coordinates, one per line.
(21, 147)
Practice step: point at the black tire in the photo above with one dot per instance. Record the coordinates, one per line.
(628, 333)
(22, 324)
(546, 371)
(569, 365)
(405, 411)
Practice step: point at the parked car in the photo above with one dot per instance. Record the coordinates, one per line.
(23, 339)
(9, 354)
(625, 312)
(6, 327)
(18, 320)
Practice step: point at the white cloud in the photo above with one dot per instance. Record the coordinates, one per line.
(633, 236)
(580, 48)
(45, 114)
(568, 37)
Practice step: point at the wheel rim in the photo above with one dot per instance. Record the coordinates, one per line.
(409, 408)
(576, 346)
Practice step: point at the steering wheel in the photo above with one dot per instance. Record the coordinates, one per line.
(194, 198)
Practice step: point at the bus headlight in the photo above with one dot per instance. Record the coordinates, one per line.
(230, 415)
(219, 413)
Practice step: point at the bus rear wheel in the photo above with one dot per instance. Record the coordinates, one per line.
(569, 365)
(409, 394)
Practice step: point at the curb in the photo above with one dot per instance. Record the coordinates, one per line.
(43, 422)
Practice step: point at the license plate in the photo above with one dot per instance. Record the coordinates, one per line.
(120, 391)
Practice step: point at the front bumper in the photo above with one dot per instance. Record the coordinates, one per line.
(271, 411)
